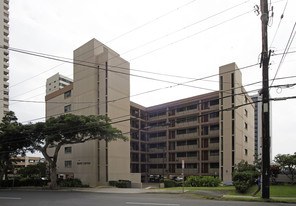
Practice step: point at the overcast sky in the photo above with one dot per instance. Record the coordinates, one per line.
(185, 38)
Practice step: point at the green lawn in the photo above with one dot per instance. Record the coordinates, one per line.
(275, 191)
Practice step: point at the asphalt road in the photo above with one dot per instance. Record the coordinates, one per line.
(66, 198)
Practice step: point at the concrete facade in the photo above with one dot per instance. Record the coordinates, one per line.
(57, 82)
(210, 132)
(4, 58)
(96, 83)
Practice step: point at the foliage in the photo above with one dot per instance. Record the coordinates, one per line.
(12, 142)
(68, 129)
(70, 183)
(171, 183)
(243, 166)
(123, 184)
(112, 183)
(244, 180)
(23, 182)
(205, 181)
(287, 165)
(38, 170)
(244, 176)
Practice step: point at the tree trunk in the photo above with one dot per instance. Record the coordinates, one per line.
(53, 177)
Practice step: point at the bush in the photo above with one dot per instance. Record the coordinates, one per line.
(243, 180)
(112, 183)
(23, 182)
(122, 184)
(170, 183)
(206, 181)
(70, 183)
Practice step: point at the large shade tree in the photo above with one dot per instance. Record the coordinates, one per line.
(68, 129)
(12, 142)
(287, 164)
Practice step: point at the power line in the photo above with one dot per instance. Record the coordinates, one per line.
(290, 40)
(206, 113)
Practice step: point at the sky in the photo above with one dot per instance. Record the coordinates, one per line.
(180, 39)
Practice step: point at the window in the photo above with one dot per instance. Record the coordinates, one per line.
(214, 102)
(67, 108)
(68, 150)
(214, 165)
(246, 112)
(214, 127)
(246, 152)
(232, 80)
(214, 153)
(246, 138)
(68, 164)
(67, 94)
(246, 125)
(214, 114)
(221, 82)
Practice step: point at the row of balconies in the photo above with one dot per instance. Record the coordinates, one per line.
(187, 172)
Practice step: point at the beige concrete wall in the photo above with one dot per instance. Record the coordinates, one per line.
(97, 92)
(243, 150)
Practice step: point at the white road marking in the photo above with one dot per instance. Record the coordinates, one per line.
(147, 203)
(10, 198)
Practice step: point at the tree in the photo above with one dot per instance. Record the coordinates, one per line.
(12, 142)
(68, 129)
(287, 164)
(38, 170)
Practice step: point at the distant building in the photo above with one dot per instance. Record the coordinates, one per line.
(20, 161)
(210, 132)
(4, 58)
(57, 82)
(257, 99)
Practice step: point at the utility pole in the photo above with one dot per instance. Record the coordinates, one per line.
(265, 103)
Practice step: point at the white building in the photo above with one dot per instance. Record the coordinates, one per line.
(4, 58)
(57, 82)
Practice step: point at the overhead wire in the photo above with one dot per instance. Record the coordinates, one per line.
(206, 113)
(288, 45)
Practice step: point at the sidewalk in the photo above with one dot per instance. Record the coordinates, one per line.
(251, 197)
(126, 190)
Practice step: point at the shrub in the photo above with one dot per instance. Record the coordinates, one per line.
(170, 183)
(206, 181)
(23, 182)
(243, 180)
(112, 183)
(70, 183)
(122, 184)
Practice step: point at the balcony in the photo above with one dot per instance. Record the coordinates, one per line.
(156, 171)
(187, 136)
(157, 160)
(188, 159)
(188, 171)
(214, 158)
(186, 112)
(187, 124)
(157, 118)
(187, 148)
(213, 146)
(5, 64)
(152, 139)
(214, 172)
(157, 150)
(6, 84)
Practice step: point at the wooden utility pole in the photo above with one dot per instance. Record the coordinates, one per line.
(265, 103)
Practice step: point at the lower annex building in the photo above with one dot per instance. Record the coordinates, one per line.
(211, 132)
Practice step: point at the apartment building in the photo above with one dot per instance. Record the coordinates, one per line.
(210, 132)
(100, 77)
(57, 82)
(257, 99)
(20, 161)
(4, 57)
